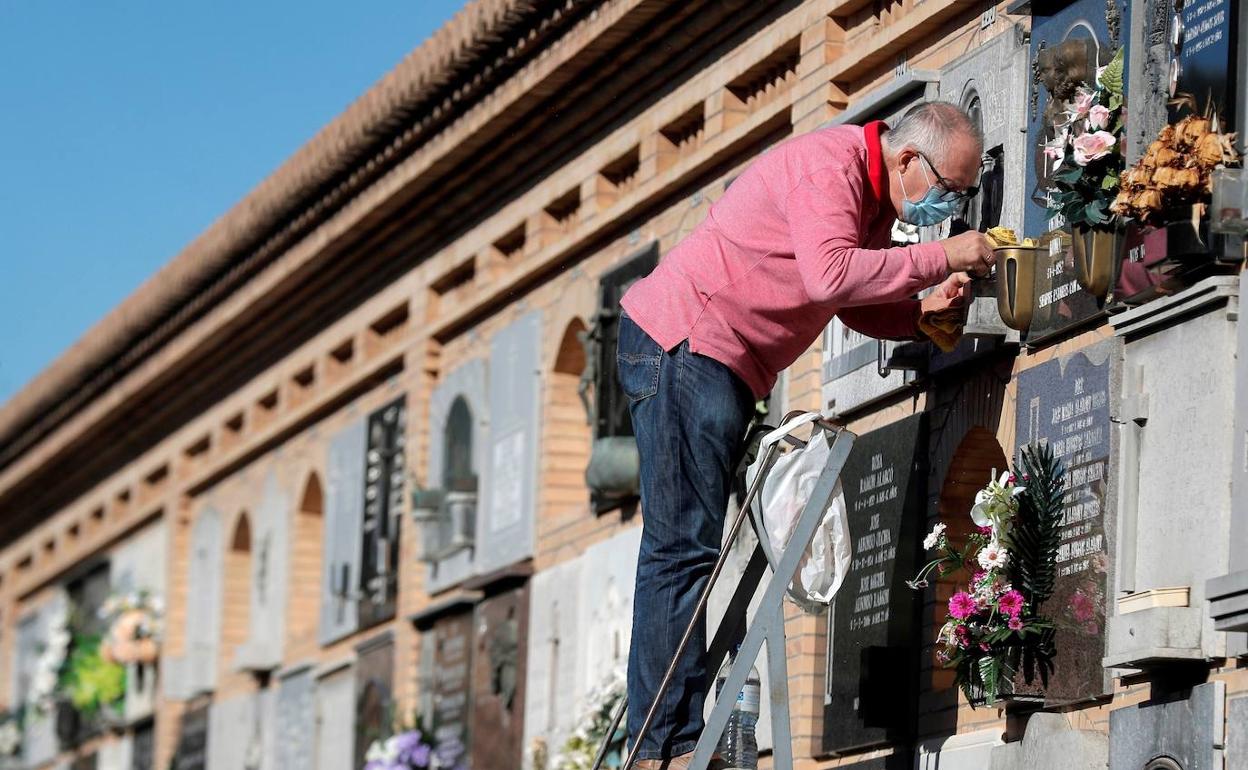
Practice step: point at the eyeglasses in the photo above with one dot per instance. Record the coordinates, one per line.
(950, 193)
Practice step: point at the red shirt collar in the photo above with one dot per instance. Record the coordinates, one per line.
(876, 171)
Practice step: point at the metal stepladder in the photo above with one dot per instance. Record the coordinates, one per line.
(768, 624)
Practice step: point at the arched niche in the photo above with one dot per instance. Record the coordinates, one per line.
(236, 588)
(978, 456)
(305, 563)
(568, 435)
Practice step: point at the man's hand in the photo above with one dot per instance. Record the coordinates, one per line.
(953, 294)
(942, 313)
(970, 252)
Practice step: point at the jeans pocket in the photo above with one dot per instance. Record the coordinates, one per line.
(637, 361)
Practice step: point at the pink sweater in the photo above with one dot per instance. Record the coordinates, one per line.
(798, 238)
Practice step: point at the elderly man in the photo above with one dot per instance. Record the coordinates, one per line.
(800, 237)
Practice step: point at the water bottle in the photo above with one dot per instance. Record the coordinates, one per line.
(738, 747)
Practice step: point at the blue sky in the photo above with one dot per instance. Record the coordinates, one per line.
(127, 127)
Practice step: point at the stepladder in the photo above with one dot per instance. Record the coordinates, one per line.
(766, 571)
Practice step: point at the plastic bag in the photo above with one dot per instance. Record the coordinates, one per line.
(786, 489)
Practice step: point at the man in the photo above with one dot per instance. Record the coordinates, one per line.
(800, 237)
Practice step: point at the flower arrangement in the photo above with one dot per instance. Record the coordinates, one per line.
(1086, 150)
(581, 748)
(134, 628)
(47, 674)
(407, 749)
(994, 626)
(1176, 170)
(10, 734)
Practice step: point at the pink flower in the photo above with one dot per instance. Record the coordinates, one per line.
(1011, 603)
(1098, 117)
(1082, 607)
(1090, 147)
(984, 646)
(1016, 624)
(962, 605)
(1083, 102)
(984, 530)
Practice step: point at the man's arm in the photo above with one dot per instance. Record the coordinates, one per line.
(889, 321)
(824, 212)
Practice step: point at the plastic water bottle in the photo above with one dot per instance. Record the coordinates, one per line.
(738, 748)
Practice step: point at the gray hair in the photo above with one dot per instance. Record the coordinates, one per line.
(928, 127)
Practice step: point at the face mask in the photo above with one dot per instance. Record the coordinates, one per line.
(928, 210)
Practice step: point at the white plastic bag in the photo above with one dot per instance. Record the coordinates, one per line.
(786, 489)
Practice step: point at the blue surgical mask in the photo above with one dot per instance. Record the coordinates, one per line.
(934, 207)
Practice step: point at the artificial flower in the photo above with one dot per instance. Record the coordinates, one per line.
(1090, 147)
(933, 537)
(1015, 624)
(1084, 99)
(10, 738)
(1011, 603)
(962, 605)
(1098, 117)
(993, 556)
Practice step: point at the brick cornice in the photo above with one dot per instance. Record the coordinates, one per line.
(461, 63)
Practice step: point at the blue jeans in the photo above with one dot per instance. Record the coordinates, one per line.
(690, 414)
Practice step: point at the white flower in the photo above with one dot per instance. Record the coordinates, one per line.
(59, 639)
(10, 738)
(43, 682)
(933, 537)
(993, 556)
(375, 752)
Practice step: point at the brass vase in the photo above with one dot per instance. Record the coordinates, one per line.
(1093, 252)
(1016, 285)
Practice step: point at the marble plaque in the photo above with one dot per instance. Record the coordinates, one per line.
(498, 681)
(1207, 54)
(1065, 403)
(335, 716)
(344, 502)
(453, 655)
(191, 752)
(467, 381)
(873, 631)
(296, 721)
(374, 686)
(553, 672)
(269, 578)
(203, 614)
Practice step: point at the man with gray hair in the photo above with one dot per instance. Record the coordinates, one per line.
(801, 236)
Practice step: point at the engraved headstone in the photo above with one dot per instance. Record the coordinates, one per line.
(467, 381)
(296, 721)
(1206, 55)
(509, 492)
(1068, 43)
(191, 752)
(553, 670)
(143, 747)
(384, 471)
(873, 632)
(344, 502)
(374, 685)
(1065, 403)
(498, 681)
(335, 714)
(203, 617)
(452, 667)
(269, 570)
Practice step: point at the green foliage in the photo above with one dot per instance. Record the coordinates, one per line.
(1111, 78)
(91, 682)
(1036, 534)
